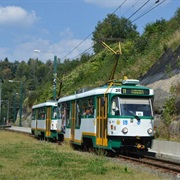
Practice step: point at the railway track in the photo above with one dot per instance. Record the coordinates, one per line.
(165, 166)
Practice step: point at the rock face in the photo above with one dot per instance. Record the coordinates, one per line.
(174, 127)
(167, 65)
(162, 89)
(164, 74)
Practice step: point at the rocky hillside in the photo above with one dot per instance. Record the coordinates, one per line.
(164, 74)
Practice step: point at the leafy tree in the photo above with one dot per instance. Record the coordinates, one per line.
(22, 71)
(113, 27)
(84, 58)
(141, 44)
(170, 109)
(6, 69)
(42, 72)
(159, 27)
(177, 17)
(14, 68)
(49, 63)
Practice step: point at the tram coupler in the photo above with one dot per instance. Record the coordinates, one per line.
(140, 146)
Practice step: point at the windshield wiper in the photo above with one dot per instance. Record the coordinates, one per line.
(137, 117)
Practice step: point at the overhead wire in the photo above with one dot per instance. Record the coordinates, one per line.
(147, 11)
(130, 8)
(157, 1)
(91, 33)
(138, 9)
(85, 51)
(118, 7)
(76, 46)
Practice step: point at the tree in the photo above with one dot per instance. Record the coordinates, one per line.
(113, 27)
(84, 58)
(177, 16)
(159, 27)
(6, 68)
(22, 71)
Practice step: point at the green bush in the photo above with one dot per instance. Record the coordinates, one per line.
(170, 107)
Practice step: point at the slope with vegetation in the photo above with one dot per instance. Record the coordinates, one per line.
(139, 54)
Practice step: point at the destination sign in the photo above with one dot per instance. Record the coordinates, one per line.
(135, 91)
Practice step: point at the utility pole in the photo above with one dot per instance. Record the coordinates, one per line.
(55, 76)
(21, 95)
(7, 114)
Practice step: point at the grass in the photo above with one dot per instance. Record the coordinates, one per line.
(24, 157)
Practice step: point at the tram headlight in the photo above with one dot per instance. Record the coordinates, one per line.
(125, 130)
(149, 131)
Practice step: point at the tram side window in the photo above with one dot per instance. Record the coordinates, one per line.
(33, 114)
(87, 107)
(91, 106)
(38, 114)
(59, 111)
(65, 114)
(41, 113)
(68, 113)
(55, 109)
(83, 107)
(78, 115)
(115, 106)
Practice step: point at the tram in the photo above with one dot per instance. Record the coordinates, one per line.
(115, 116)
(44, 120)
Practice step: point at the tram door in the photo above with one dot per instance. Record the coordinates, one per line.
(101, 131)
(48, 121)
(73, 117)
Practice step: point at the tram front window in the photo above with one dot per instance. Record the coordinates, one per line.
(131, 106)
(135, 107)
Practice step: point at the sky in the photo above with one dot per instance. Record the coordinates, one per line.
(64, 28)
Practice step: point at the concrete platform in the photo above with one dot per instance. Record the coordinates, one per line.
(20, 129)
(166, 149)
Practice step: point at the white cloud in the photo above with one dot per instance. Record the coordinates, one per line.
(24, 51)
(64, 48)
(13, 15)
(66, 33)
(24, 44)
(44, 31)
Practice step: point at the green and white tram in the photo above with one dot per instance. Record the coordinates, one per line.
(44, 120)
(114, 116)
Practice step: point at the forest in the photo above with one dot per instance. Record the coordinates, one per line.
(32, 81)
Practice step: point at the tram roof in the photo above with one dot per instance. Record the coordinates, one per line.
(45, 104)
(104, 90)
